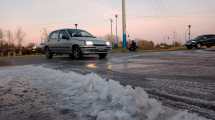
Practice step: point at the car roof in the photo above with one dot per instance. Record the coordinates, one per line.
(207, 35)
(66, 30)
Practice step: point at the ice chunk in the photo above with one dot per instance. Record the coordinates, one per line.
(91, 95)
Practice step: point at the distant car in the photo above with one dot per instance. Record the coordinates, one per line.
(76, 43)
(38, 48)
(41, 46)
(203, 40)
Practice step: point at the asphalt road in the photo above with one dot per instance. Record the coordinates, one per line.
(180, 79)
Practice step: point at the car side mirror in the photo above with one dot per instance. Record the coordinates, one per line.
(65, 37)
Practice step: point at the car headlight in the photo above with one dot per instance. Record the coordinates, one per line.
(108, 43)
(89, 43)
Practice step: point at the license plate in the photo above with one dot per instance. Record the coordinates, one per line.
(101, 49)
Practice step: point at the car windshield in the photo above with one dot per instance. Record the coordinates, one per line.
(198, 38)
(80, 33)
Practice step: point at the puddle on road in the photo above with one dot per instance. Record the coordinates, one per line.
(129, 66)
(91, 66)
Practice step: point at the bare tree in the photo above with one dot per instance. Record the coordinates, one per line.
(146, 45)
(10, 45)
(1, 38)
(1, 34)
(20, 37)
(9, 35)
(30, 45)
(1, 42)
(44, 36)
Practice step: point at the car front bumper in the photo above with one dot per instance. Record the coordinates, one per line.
(95, 49)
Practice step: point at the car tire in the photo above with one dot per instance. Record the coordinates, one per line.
(76, 52)
(102, 55)
(48, 53)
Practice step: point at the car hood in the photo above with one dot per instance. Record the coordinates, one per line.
(191, 42)
(94, 40)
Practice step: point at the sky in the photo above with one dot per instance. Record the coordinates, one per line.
(146, 19)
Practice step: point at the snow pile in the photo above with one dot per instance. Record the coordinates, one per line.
(91, 95)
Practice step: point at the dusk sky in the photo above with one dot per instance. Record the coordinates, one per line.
(146, 19)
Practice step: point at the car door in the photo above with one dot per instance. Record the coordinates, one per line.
(64, 41)
(211, 40)
(203, 40)
(53, 40)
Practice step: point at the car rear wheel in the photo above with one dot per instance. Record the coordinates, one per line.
(48, 53)
(102, 56)
(76, 53)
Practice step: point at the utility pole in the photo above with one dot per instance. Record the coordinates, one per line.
(174, 39)
(189, 27)
(168, 38)
(116, 41)
(111, 30)
(124, 24)
(185, 36)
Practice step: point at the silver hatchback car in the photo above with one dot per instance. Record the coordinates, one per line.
(76, 43)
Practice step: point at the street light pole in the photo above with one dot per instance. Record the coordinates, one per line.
(111, 30)
(174, 39)
(116, 41)
(124, 24)
(189, 27)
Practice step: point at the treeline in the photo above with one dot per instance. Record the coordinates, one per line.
(146, 44)
(11, 43)
(150, 45)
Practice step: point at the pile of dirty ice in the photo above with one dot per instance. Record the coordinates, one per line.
(91, 95)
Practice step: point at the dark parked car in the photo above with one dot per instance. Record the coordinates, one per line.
(203, 40)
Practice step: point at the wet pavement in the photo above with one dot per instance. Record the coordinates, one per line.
(180, 79)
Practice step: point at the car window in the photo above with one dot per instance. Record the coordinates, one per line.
(63, 33)
(79, 33)
(210, 36)
(54, 35)
(85, 34)
(198, 38)
(205, 37)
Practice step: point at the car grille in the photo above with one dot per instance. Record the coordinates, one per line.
(99, 45)
(96, 50)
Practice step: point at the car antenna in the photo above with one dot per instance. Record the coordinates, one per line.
(76, 26)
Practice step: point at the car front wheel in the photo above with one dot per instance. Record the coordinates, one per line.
(76, 52)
